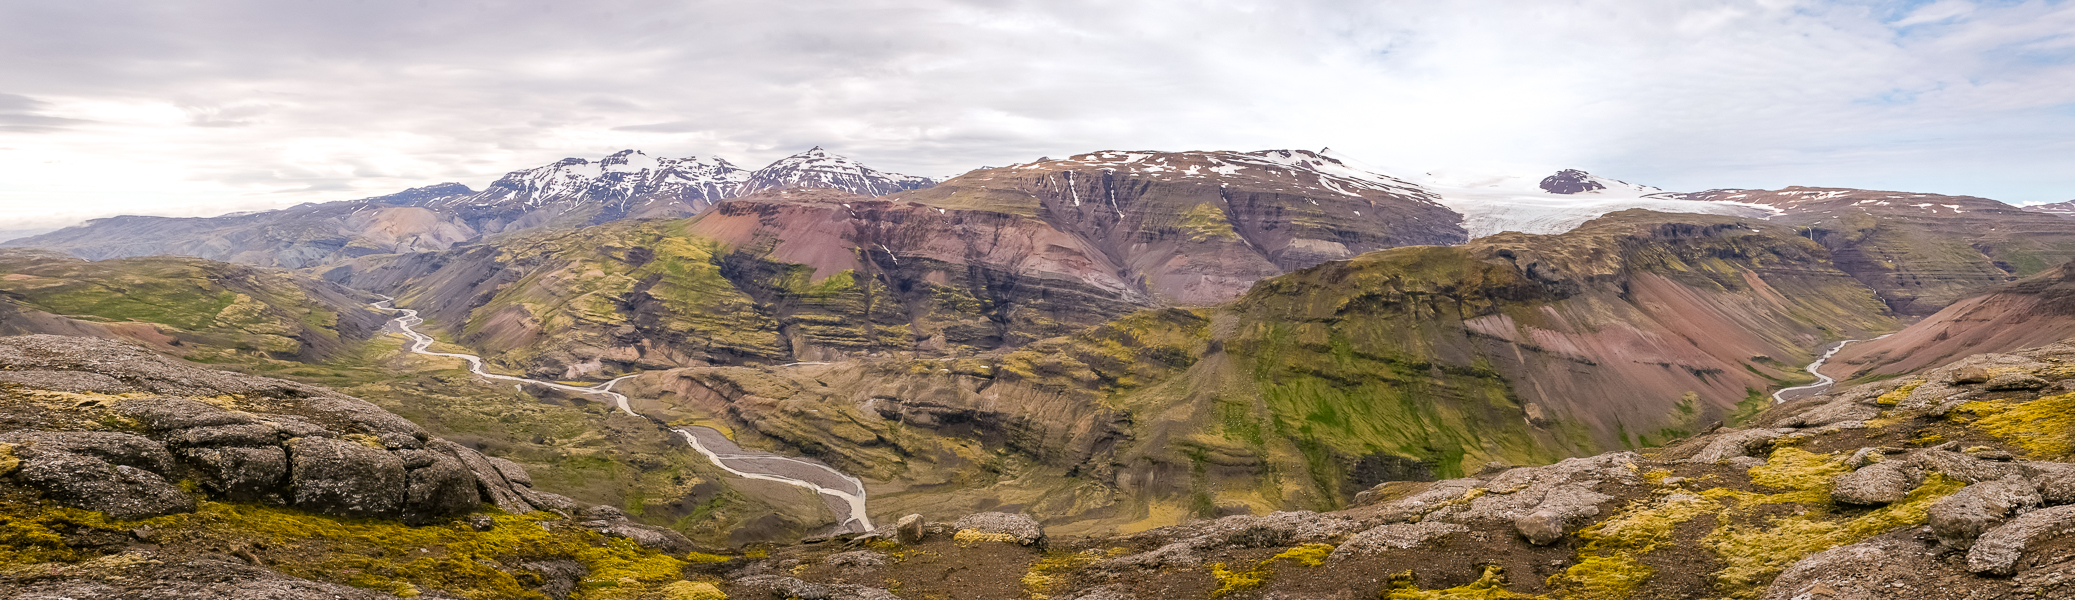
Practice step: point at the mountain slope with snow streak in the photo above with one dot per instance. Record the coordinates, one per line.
(818, 168)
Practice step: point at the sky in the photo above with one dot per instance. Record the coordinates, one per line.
(202, 107)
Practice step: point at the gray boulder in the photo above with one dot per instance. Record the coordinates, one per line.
(257, 433)
(649, 536)
(489, 481)
(1889, 567)
(1997, 552)
(339, 477)
(1564, 509)
(1414, 507)
(1836, 411)
(1961, 466)
(2056, 481)
(511, 471)
(910, 530)
(439, 490)
(2010, 382)
(115, 448)
(1020, 526)
(1876, 484)
(1733, 444)
(89, 483)
(1960, 518)
(1394, 536)
(164, 414)
(239, 474)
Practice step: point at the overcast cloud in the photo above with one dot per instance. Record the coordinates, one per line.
(202, 107)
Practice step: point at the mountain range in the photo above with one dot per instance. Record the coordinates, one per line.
(1133, 350)
(570, 192)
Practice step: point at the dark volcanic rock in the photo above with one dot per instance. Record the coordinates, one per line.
(442, 488)
(1570, 181)
(240, 474)
(116, 448)
(89, 483)
(345, 478)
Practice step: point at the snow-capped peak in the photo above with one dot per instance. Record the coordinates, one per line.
(819, 168)
(620, 177)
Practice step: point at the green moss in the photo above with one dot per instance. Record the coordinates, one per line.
(1048, 570)
(1310, 555)
(1898, 394)
(1610, 564)
(1204, 222)
(452, 558)
(1753, 555)
(1490, 586)
(1230, 581)
(2044, 428)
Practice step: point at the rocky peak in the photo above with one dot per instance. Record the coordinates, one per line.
(421, 196)
(1571, 181)
(619, 178)
(2064, 209)
(818, 168)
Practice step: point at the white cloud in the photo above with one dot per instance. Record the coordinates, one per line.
(207, 107)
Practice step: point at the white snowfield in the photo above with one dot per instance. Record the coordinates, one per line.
(1495, 203)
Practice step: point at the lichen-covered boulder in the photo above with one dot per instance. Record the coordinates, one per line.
(341, 477)
(1997, 552)
(440, 489)
(1394, 536)
(1733, 444)
(239, 474)
(89, 483)
(1011, 527)
(1960, 518)
(115, 448)
(165, 414)
(1876, 484)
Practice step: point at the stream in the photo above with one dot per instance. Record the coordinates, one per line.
(1816, 368)
(846, 492)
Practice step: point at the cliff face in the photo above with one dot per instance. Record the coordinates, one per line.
(2032, 312)
(1195, 228)
(125, 474)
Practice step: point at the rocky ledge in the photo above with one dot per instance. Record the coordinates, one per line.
(134, 437)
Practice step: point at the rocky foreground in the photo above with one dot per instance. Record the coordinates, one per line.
(130, 475)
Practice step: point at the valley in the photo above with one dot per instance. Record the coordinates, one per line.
(1112, 345)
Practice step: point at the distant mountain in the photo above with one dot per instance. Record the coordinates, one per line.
(300, 236)
(193, 307)
(992, 259)
(1200, 227)
(816, 168)
(627, 184)
(1920, 252)
(571, 192)
(2065, 209)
